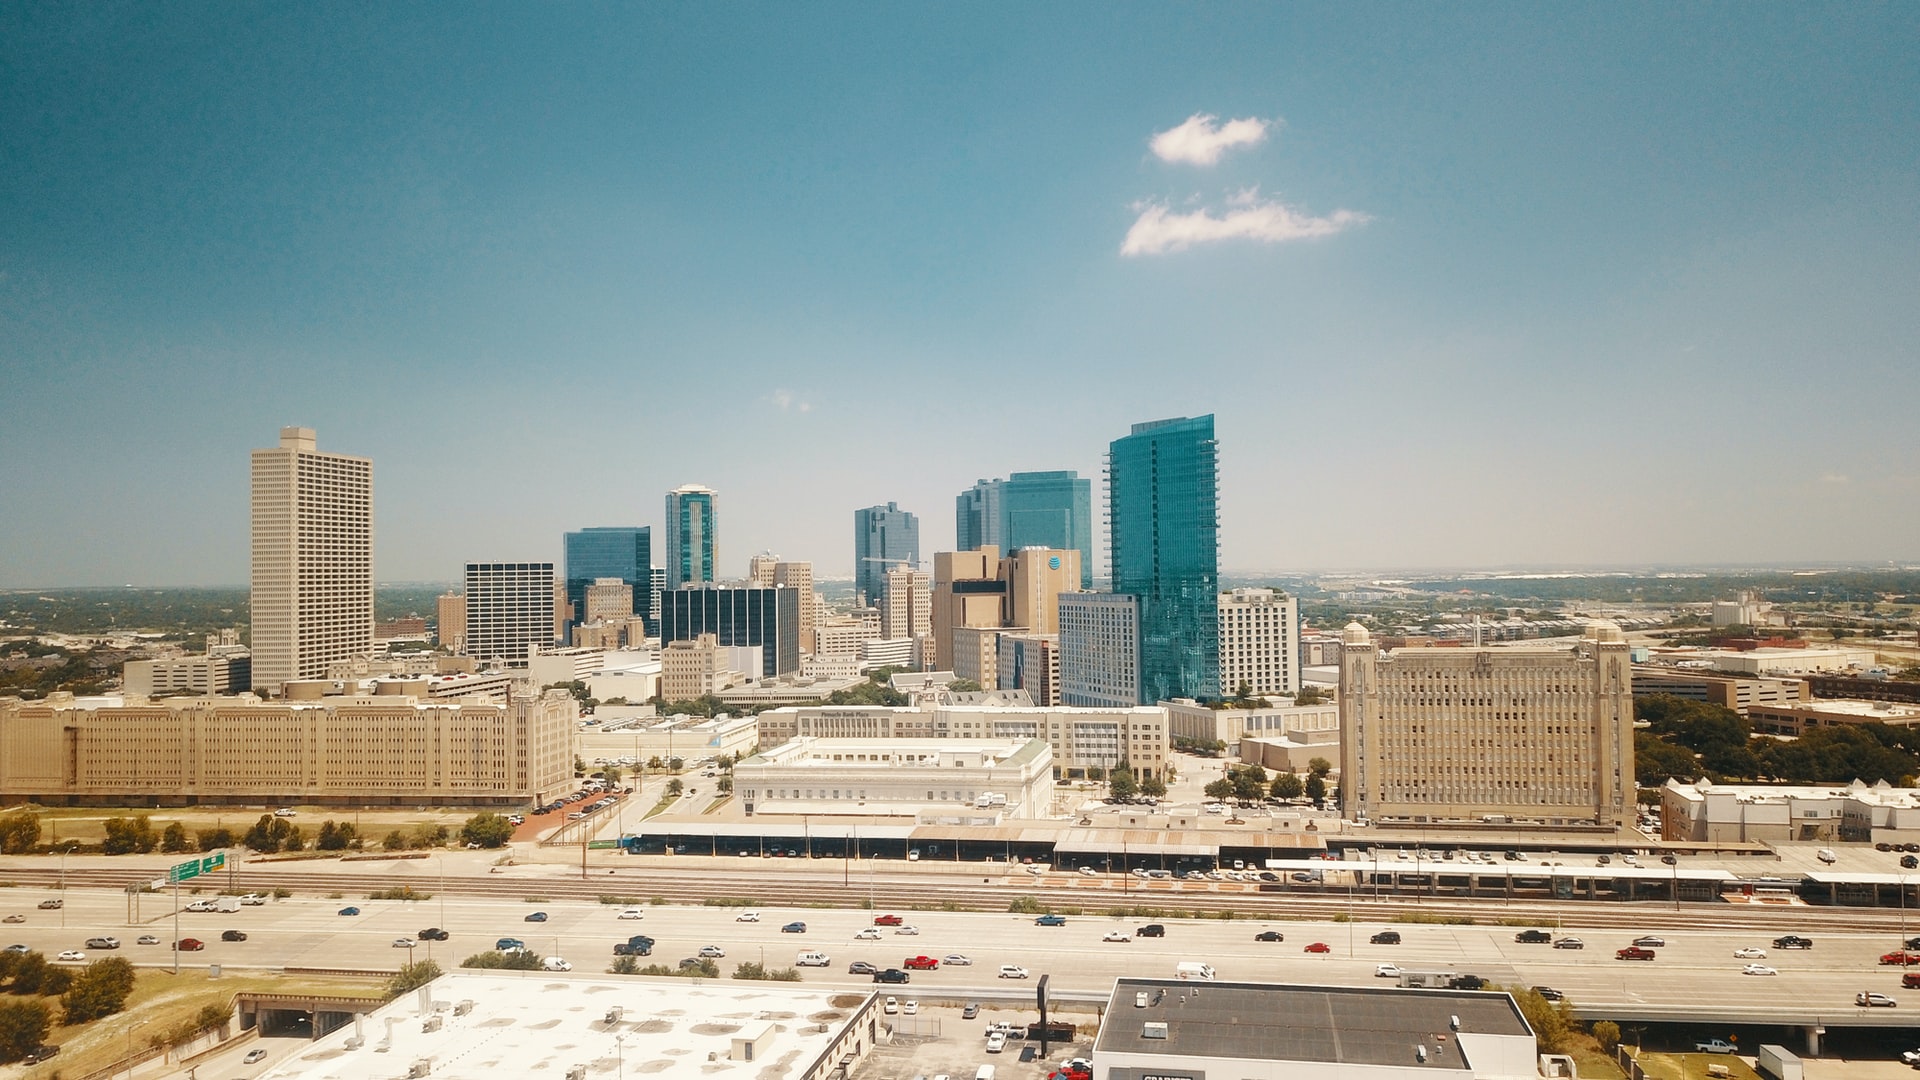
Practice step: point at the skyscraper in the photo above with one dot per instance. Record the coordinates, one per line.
(612, 551)
(1100, 650)
(1259, 642)
(884, 537)
(693, 543)
(1163, 519)
(312, 564)
(1030, 509)
(509, 607)
(769, 618)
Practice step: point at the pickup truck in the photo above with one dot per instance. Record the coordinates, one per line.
(1634, 952)
(1713, 1046)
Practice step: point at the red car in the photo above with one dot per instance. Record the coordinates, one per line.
(887, 920)
(1634, 952)
(1901, 958)
(1319, 946)
(921, 963)
(189, 944)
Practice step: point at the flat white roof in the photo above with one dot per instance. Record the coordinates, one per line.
(539, 1024)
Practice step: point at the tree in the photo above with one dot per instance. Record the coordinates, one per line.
(1310, 695)
(1249, 783)
(725, 785)
(612, 774)
(488, 830)
(675, 787)
(1316, 788)
(23, 1027)
(1219, 789)
(1320, 767)
(1153, 788)
(126, 835)
(1607, 1034)
(964, 686)
(395, 841)
(213, 839)
(99, 990)
(1552, 1022)
(624, 965)
(18, 833)
(262, 837)
(412, 977)
(336, 836)
(29, 974)
(174, 839)
(1121, 785)
(676, 764)
(1287, 786)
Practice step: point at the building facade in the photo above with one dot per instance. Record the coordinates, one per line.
(607, 599)
(769, 618)
(1164, 530)
(908, 609)
(1737, 692)
(1031, 509)
(1035, 577)
(450, 622)
(207, 675)
(1259, 642)
(1029, 662)
(897, 777)
(884, 537)
(621, 552)
(1488, 736)
(1081, 739)
(312, 559)
(1100, 649)
(509, 609)
(693, 536)
(693, 668)
(388, 750)
(976, 655)
(967, 591)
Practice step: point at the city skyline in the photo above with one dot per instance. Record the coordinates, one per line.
(1464, 288)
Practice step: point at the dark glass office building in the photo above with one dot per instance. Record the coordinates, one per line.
(769, 618)
(884, 538)
(1163, 510)
(615, 551)
(1029, 509)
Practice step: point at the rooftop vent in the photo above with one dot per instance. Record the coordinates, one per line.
(1153, 1029)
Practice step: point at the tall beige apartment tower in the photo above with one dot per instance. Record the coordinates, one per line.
(312, 582)
(1487, 737)
(909, 609)
(1036, 577)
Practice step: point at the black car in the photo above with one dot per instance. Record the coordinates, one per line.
(1548, 993)
(1912, 943)
(690, 962)
(794, 928)
(1385, 937)
(861, 967)
(1151, 930)
(891, 975)
(433, 933)
(41, 1053)
(1469, 982)
(1269, 935)
(1792, 941)
(233, 935)
(1533, 937)
(1655, 941)
(1910, 862)
(624, 948)
(1669, 860)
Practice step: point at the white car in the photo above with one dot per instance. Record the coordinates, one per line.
(554, 963)
(867, 933)
(1012, 971)
(1750, 953)
(1387, 971)
(1117, 935)
(404, 943)
(1088, 871)
(910, 931)
(712, 951)
(1758, 969)
(996, 1042)
(633, 913)
(892, 1006)
(283, 812)
(747, 916)
(253, 899)
(956, 960)
(911, 1008)
(74, 955)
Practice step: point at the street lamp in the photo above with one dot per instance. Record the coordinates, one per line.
(130, 1031)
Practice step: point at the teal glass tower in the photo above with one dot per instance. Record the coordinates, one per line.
(624, 552)
(1163, 506)
(1029, 509)
(693, 542)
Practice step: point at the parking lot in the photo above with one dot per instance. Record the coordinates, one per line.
(938, 1042)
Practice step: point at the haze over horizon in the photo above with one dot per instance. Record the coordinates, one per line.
(1469, 288)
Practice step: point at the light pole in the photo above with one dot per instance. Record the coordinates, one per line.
(130, 1031)
(619, 1056)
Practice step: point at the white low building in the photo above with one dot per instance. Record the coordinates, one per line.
(897, 777)
(1779, 813)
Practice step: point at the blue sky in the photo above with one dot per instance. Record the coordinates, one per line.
(1477, 286)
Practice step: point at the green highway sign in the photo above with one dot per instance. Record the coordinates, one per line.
(193, 868)
(598, 845)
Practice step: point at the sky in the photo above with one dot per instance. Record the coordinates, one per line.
(1476, 286)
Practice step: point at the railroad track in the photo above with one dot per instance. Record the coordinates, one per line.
(834, 891)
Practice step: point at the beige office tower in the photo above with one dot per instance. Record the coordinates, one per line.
(1259, 642)
(691, 669)
(976, 654)
(450, 617)
(1036, 577)
(563, 612)
(760, 569)
(312, 559)
(799, 577)
(1488, 737)
(967, 591)
(909, 606)
(608, 599)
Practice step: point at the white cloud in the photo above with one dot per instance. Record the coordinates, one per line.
(1249, 217)
(1202, 138)
(786, 401)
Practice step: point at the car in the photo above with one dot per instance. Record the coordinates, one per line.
(1269, 935)
(794, 928)
(1012, 971)
(747, 916)
(52, 905)
(1534, 937)
(888, 920)
(813, 959)
(41, 1053)
(254, 899)
(1117, 935)
(535, 916)
(1714, 1046)
(892, 1005)
(892, 975)
(1385, 937)
(72, 955)
(148, 939)
(432, 933)
(633, 913)
(996, 1043)
(971, 1012)
(712, 951)
(1792, 941)
(861, 967)
(1569, 943)
(1758, 969)
(1386, 971)
(15, 918)
(1548, 993)
(957, 960)
(1634, 952)
(1050, 920)
(103, 943)
(16, 947)
(1670, 860)
(576, 815)
(404, 943)
(1151, 930)
(1088, 871)
(909, 931)
(1873, 1000)
(284, 812)
(1650, 941)
(1902, 957)
(1318, 947)
(1910, 862)
(349, 911)
(554, 963)
(866, 933)
(233, 935)
(253, 1055)
(509, 944)
(911, 1008)
(920, 963)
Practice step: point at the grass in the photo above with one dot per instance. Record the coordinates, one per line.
(1593, 1063)
(1693, 1066)
(87, 824)
(161, 1000)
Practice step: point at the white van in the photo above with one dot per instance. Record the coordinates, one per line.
(812, 959)
(1193, 969)
(984, 1072)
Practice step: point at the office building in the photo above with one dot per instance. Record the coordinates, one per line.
(387, 749)
(1259, 642)
(450, 622)
(658, 575)
(1737, 692)
(1035, 577)
(897, 777)
(841, 635)
(694, 668)
(312, 559)
(1029, 662)
(967, 591)
(621, 552)
(769, 618)
(1164, 526)
(976, 655)
(216, 673)
(767, 570)
(908, 609)
(884, 537)
(889, 652)
(607, 599)
(1081, 739)
(1704, 812)
(1492, 736)
(1099, 649)
(693, 543)
(760, 569)
(1033, 509)
(510, 609)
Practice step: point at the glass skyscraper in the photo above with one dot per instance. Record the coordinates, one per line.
(1163, 508)
(1029, 509)
(693, 540)
(884, 538)
(769, 618)
(614, 551)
